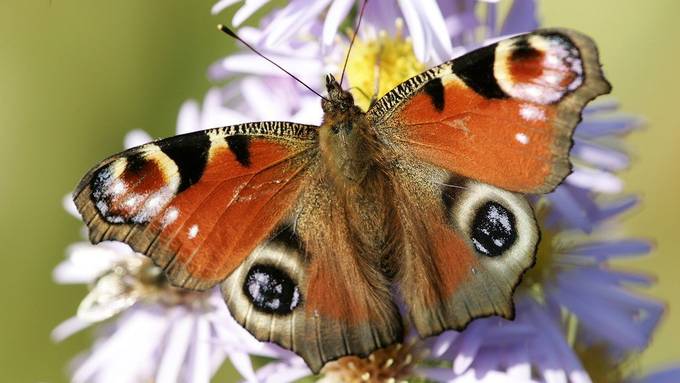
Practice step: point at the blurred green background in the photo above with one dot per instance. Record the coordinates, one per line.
(75, 75)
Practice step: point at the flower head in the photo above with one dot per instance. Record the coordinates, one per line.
(575, 313)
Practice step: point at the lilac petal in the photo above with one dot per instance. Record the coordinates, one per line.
(69, 327)
(591, 128)
(622, 318)
(245, 341)
(126, 338)
(471, 341)
(309, 113)
(172, 358)
(433, 20)
(189, 117)
(70, 206)
(135, 138)
(569, 209)
(336, 14)
(415, 29)
(615, 278)
(518, 364)
(460, 19)
(306, 69)
(600, 156)
(443, 343)
(595, 180)
(559, 360)
(607, 105)
(258, 96)
(379, 16)
(199, 363)
(613, 209)
(242, 363)
(221, 5)
(215, 114)
(604, 250)
(510, 332)
(522, 17)
(296, 15)
(282, 372)
(85, 263)
(247, 10)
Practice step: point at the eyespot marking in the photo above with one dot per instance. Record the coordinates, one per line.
(271, 290)
(493, 229)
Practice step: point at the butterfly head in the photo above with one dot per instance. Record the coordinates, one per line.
(339, 101)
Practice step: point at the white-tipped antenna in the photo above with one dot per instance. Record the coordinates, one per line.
(356, 30)
(231, 33)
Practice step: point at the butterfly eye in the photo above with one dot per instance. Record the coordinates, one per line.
(493, 229)
(271, 290)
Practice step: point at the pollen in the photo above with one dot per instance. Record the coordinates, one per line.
(378, 64)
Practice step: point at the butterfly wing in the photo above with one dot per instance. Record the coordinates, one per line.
(466, 245)
(313, 288)
(503, 114)
(198, 203)
(469, 135)
(246, 206)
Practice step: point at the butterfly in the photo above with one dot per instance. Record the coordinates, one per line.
(317, 235)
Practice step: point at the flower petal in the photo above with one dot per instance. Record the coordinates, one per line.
(336, 14)
(175, 350)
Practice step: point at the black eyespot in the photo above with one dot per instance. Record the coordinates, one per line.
(271, 290)
(493, 229)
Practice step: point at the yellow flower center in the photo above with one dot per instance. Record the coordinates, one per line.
(377, 66)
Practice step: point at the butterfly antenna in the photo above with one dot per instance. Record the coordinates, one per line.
(356, 30)
(231, 33)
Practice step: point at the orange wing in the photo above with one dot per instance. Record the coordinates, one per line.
(503, 114)
(198, 204)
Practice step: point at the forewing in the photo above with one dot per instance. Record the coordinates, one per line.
(503, 114)
(198, 203)
(337, 301)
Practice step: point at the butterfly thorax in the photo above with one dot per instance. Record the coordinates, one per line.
(345, 137)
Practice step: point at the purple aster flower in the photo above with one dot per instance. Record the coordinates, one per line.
(571, 309)
(426, 23)
(156, 332)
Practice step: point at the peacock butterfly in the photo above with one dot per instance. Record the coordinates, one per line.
(315, 232)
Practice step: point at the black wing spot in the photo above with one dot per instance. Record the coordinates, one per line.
(135, 163)
(190, 154)
(271, 290)
(435, 89)
(493, 229)
(476, 70)
(239, 145)
(522, 50)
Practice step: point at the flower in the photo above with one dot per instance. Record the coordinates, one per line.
(162, 332)
(577, 319)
